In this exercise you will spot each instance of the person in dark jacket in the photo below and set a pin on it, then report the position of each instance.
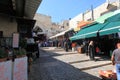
(66, 45)
(91, 50)
(86, 47)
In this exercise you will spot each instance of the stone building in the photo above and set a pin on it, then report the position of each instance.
(55, 28)
(16, 16)
(93, 14)
(49, 28)
(64, 25)
(44, 23)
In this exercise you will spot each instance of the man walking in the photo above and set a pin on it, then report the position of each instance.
(116, 60)
(66, 45)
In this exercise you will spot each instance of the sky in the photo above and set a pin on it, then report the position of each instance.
(60, 10)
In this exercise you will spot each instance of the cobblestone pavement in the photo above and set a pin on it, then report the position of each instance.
(56, 64)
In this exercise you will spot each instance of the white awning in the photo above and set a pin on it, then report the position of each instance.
(60, 34)
(38, 33)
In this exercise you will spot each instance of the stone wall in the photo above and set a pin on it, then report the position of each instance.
(8, 25)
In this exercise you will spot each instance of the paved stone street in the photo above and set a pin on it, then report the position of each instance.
(56, 64)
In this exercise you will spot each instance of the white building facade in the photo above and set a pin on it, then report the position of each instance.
(93, 14)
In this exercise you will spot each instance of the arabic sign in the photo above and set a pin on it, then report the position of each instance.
(15, 40)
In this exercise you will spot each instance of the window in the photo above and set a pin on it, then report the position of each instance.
(67, 24)
(1, 33)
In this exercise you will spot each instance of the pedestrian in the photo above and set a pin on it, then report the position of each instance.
(86, 47)
(37, 48)
(39, 45)
(116, 60)
(91, 50)
(66, 45)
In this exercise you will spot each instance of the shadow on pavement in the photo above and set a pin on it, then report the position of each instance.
(97, 58)
(52, 53)
(49, 68)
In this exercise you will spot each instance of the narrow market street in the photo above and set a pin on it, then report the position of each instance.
(51, 40)
(56, 64)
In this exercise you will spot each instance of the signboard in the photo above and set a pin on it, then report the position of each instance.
(15, 40)
(20, 69)
(6, 70)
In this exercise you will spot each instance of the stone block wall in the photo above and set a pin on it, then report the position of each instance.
(8, 25)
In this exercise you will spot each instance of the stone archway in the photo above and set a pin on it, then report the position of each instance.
(41, 35)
